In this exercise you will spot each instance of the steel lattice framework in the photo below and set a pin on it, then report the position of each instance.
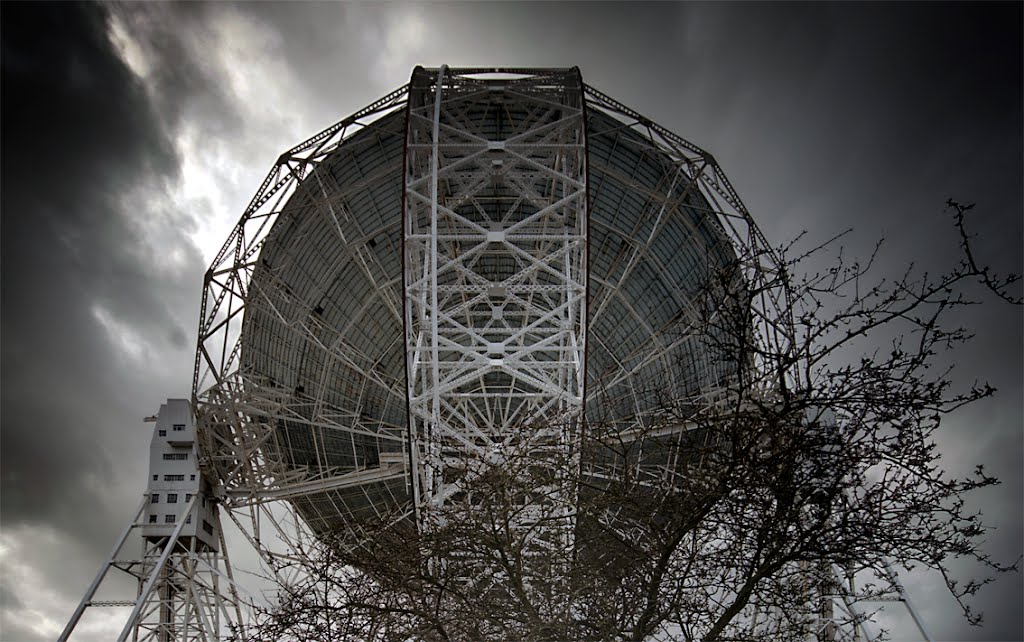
(468, 266)
(482, 261)
(495, 237)
(495, 215)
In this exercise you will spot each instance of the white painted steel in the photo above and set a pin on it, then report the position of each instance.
(495, 357)
(476, 262)
(182, 558)
(131, 626)
(104, 567)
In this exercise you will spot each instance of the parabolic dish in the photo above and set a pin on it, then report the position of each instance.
(326, 331)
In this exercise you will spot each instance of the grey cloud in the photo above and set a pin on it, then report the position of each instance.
(80, 135)
(9, 595)
(183, 85)
(81, 141)
(20, 632)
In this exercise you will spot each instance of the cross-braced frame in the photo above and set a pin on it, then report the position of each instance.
(473, 266)
(495, 225)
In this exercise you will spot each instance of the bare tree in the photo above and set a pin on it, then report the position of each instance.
(719, 516)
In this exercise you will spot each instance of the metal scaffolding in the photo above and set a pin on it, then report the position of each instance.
(495, 237)
(476, 263)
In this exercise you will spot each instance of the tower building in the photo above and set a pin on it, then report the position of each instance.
(175, 480)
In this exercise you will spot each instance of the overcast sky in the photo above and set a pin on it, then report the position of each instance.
(134, 135)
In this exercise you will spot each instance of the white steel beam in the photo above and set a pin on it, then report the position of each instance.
(245, 496)
(147, 588)
(495, 242)
(91, 591)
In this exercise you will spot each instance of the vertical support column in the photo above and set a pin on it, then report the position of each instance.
(435, 414)
(102, 573)
(494, 251)
(179, 595)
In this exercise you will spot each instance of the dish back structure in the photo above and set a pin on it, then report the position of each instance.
(475, 263)
(482, 262)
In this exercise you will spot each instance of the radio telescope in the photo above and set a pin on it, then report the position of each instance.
(548, 248)
(483, 260)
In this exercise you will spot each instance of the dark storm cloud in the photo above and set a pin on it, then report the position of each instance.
(870, 117)
(100, 280)
(80, 138)
(182, 85)
(914, 96)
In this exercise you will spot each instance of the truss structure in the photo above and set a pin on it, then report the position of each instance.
(241, 408)
(495, 237)
(477, 263)
(185, 591)
(238, 410)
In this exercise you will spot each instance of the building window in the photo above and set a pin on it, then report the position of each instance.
(179, 427)
(156, 477)
(154, 498)
(174, 477)
(152, 519)
(175, 456)
(191, 477)
(162, 432)
(169, 519)
(188, 520)
(188, 497)
(172, 498)
(207, 527)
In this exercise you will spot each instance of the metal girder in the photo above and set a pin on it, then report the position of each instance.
(243, 497)
(186, 590)
(495, 250)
